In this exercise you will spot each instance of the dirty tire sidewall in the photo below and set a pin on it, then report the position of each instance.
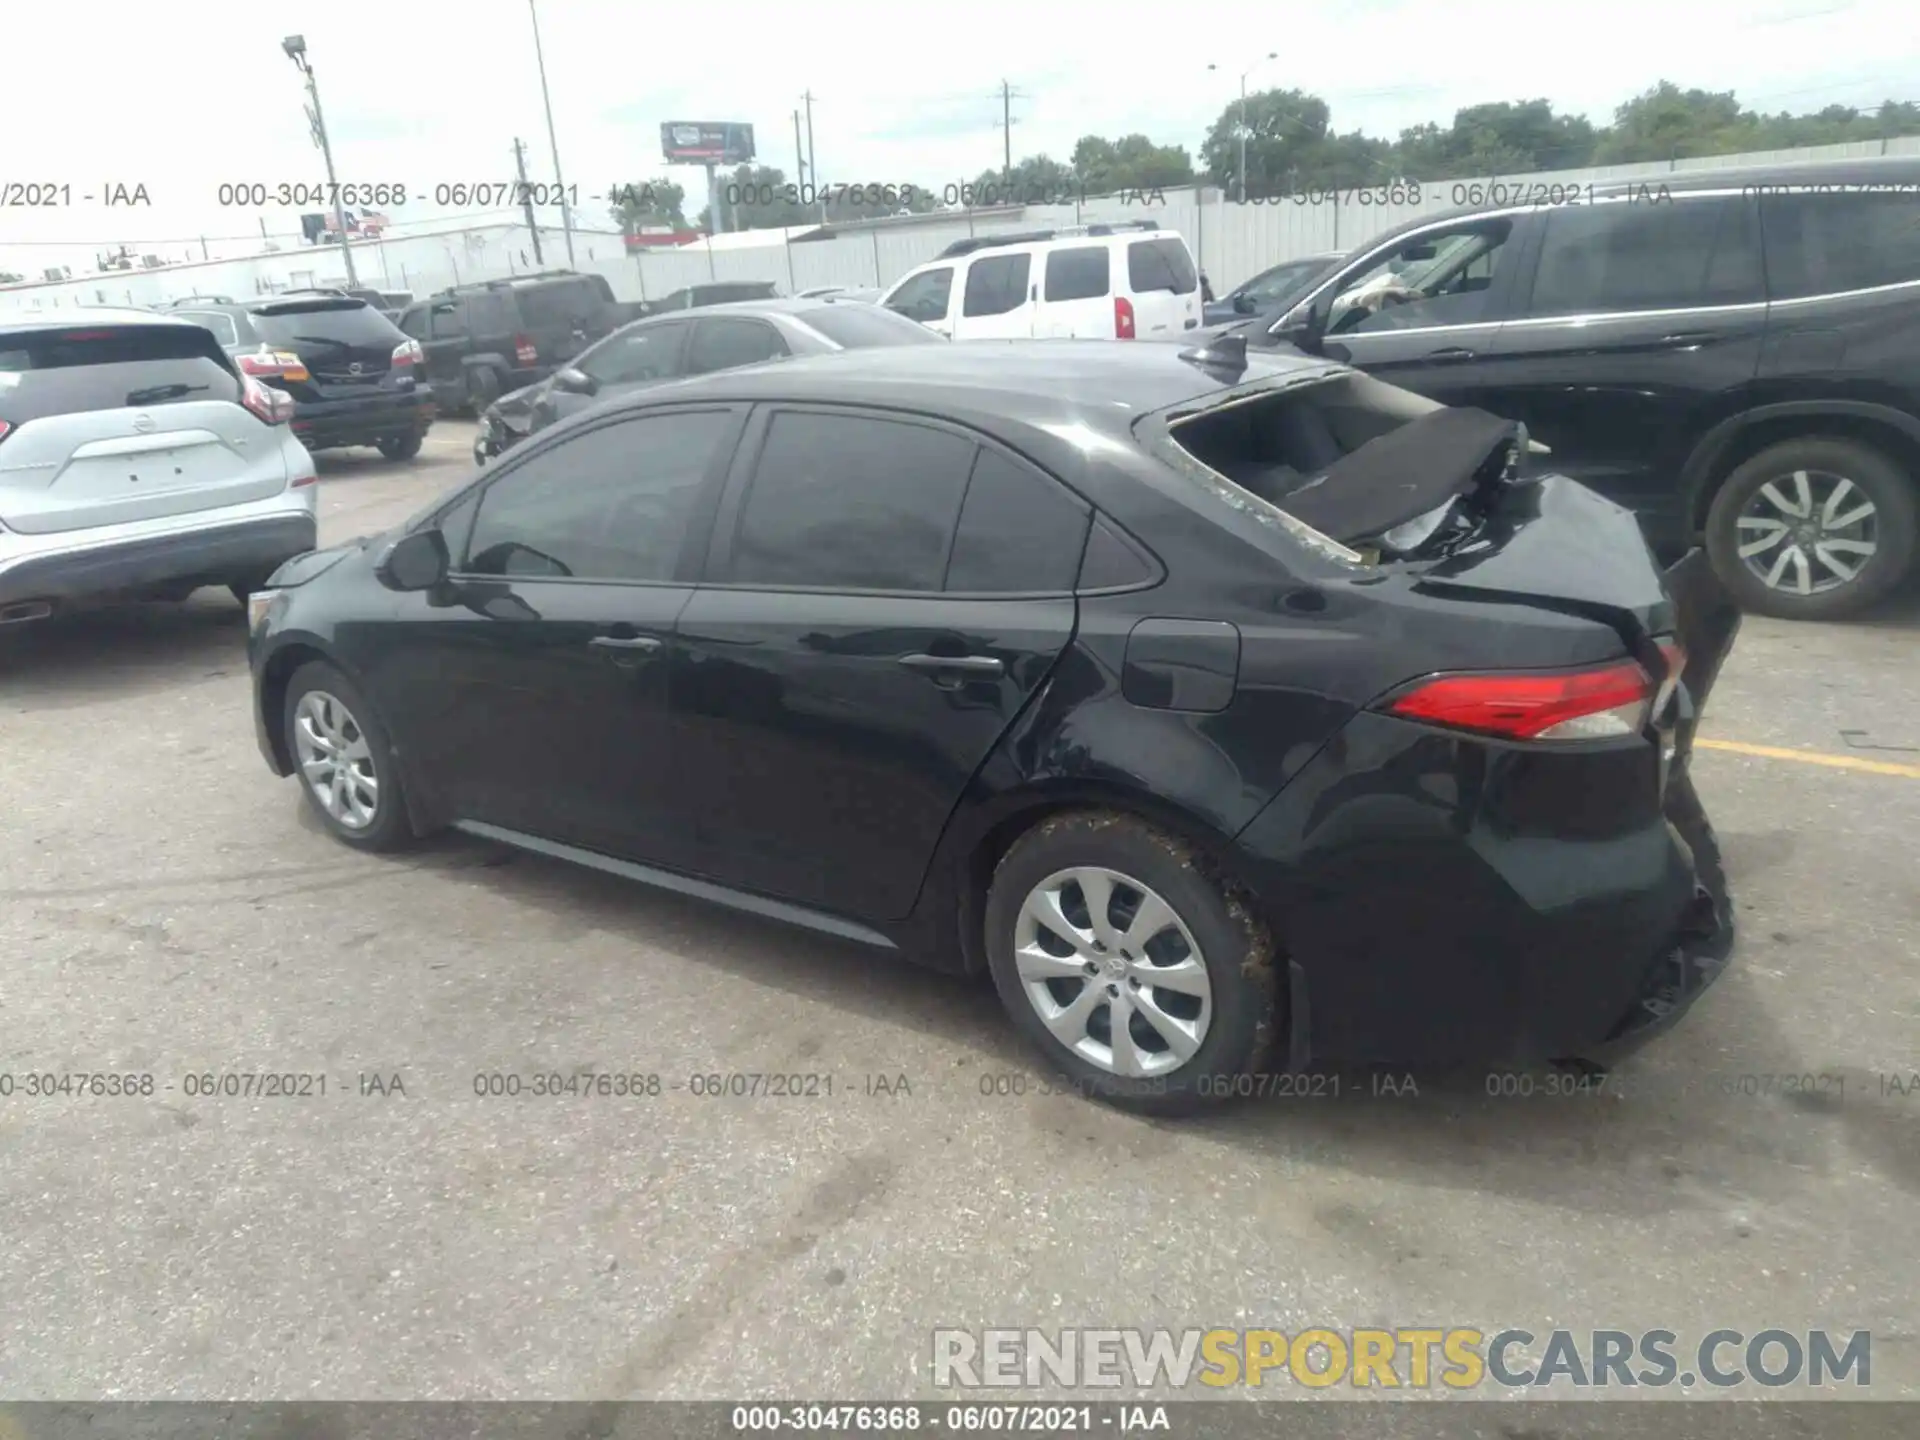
(402, 447)
(483, 388)
(1235, 943)
(390, 829)
(1886, 484)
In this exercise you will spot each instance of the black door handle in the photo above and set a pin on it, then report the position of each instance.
(645, 644)
(969, 664)
(1454, 352)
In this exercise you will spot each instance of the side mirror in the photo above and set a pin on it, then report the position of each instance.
(575, 382)
(1302, 327)
(1243, 304)
(414, 562)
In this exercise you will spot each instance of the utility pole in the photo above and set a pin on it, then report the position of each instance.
(566, 211)
(813, 168)
(799, 152)
(1006, 128)
(526, 197)
(296, 50)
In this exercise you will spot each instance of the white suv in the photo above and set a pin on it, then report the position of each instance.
(135, 460)
(1094, 282)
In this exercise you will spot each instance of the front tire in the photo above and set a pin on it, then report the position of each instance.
(1133, 967)
(401, 447)
(344, 760)
(1813, 529)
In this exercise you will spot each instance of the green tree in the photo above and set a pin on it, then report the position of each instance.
(1506, 137)
(1290, 145)
(7, 277)
(1133, 162)
(1666, 122)
(647, 204)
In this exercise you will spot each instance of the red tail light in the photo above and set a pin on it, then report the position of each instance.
(409, 353)
(4, 429)
(274, 407)
(524, 351)
(1597, 704)
(1122, 318)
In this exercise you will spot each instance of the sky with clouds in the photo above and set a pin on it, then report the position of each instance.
(183, 98)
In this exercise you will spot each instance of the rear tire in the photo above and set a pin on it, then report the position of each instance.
(1213, 955)
(401, 447)
(483, 388)
(343, 760)
(1830, 479)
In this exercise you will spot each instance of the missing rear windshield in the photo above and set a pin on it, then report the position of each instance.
(1259, 449)
(1355, 468)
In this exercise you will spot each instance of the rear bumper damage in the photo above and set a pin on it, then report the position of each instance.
(1445, 899)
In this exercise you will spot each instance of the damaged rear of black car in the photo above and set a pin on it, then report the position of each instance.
(1540, 881)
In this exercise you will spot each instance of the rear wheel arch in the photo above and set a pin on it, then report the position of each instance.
(1734, 441)
(976, 860)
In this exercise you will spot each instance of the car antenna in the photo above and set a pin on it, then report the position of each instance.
(1224, 355)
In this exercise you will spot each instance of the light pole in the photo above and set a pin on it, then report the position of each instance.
(296, 48)
(566, 211)
(1271, 55)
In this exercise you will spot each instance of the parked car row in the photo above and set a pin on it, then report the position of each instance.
(669, 347)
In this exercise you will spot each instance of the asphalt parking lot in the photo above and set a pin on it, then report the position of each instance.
(170, 909)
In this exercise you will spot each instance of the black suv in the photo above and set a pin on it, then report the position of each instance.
(1734, 355)
(485, 339)
(354, 378)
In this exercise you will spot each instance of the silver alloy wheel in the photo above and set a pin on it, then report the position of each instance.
(1112, 971)
(1808, 532)
(336, 759)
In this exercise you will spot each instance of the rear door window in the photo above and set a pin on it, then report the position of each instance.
(850, 502)
(996, 284)
(1020, 532)
(1622, 256)
(636, 357)
(563, 304)
(1821, 244)
(1161, 264)
(1082, 273)
(63, 372)
(729, 343)
(448, 321)
(491, 314)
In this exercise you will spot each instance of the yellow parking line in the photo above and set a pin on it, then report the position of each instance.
(1812, 757)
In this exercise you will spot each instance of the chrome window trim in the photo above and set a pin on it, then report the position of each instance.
(1851, 294)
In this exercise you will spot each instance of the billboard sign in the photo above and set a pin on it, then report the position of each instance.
(706, 142)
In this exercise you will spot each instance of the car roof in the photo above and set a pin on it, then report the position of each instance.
(767, 305)
(1902, 170)
(1038, 383)
(90, 315)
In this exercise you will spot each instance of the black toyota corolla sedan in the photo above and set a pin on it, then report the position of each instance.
(1230, 713)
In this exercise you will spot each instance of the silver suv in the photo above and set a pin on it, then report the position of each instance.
(136, 461)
